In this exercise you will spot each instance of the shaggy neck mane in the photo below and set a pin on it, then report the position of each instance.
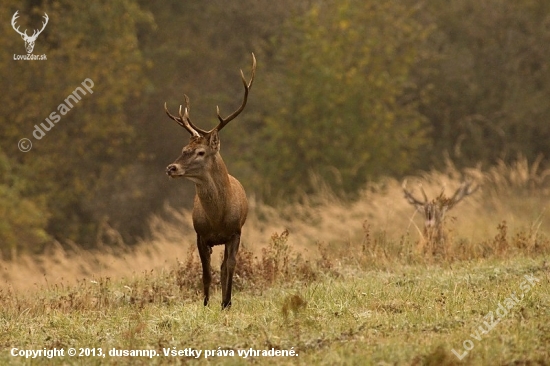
(213, 191)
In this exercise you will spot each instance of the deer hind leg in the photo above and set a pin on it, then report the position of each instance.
(205, 252)
(228, 268)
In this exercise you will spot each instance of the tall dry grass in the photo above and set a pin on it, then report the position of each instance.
(506, 216)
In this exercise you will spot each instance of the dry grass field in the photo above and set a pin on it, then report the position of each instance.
(320, 282)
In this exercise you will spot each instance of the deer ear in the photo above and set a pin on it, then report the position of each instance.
(214, 141)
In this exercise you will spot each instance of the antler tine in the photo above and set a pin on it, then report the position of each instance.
(441, 194)
(13, 21)
(463, 191)
(411, 199)
(170, 114)
(187, 109)
(424, 194)
(185, 120)
(44, 23)
(181, 120)
(224, 121)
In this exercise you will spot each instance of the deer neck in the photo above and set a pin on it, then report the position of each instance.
(214, 189)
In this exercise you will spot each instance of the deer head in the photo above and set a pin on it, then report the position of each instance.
(434, 210)
(29, 40)
(197, 156)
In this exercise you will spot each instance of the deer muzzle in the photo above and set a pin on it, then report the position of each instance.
(174, 170)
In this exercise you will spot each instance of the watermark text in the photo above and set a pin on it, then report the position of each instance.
(63, 108)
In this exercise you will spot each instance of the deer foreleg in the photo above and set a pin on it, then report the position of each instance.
(228, 268)
(204, 252)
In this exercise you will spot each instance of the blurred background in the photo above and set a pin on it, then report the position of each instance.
(348, 95)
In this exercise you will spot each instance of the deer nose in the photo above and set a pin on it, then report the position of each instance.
(170, 169)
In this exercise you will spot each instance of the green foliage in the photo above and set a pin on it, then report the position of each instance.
(83, 152)
(346, 91)
(490, 80)
(22, 220)
(347, 110)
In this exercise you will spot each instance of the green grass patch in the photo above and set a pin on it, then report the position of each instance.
(407, 315)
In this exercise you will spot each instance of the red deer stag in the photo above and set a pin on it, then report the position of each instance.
(220, 205)
(435, 210)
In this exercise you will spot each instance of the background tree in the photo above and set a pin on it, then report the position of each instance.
(346, 110)
(23, 220)
(490, 80)
(346, 91)
(71, 167)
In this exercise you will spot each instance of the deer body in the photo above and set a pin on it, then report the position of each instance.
(219, 210)
(220, 205)
(219, 214)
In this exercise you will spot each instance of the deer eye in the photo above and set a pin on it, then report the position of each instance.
(200, 153)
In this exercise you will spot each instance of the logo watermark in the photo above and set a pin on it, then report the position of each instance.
(501, 311)
(29, 40)
(25, 144)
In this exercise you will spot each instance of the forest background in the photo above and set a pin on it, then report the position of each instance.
(346, 92)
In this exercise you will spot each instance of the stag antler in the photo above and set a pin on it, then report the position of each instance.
(413, 200)
(226, 120)
(464, 190)
(184, 120)
(36, 33)
(13, 20)
(43, 26)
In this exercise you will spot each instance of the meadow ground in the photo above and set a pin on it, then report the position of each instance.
(322, 282)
